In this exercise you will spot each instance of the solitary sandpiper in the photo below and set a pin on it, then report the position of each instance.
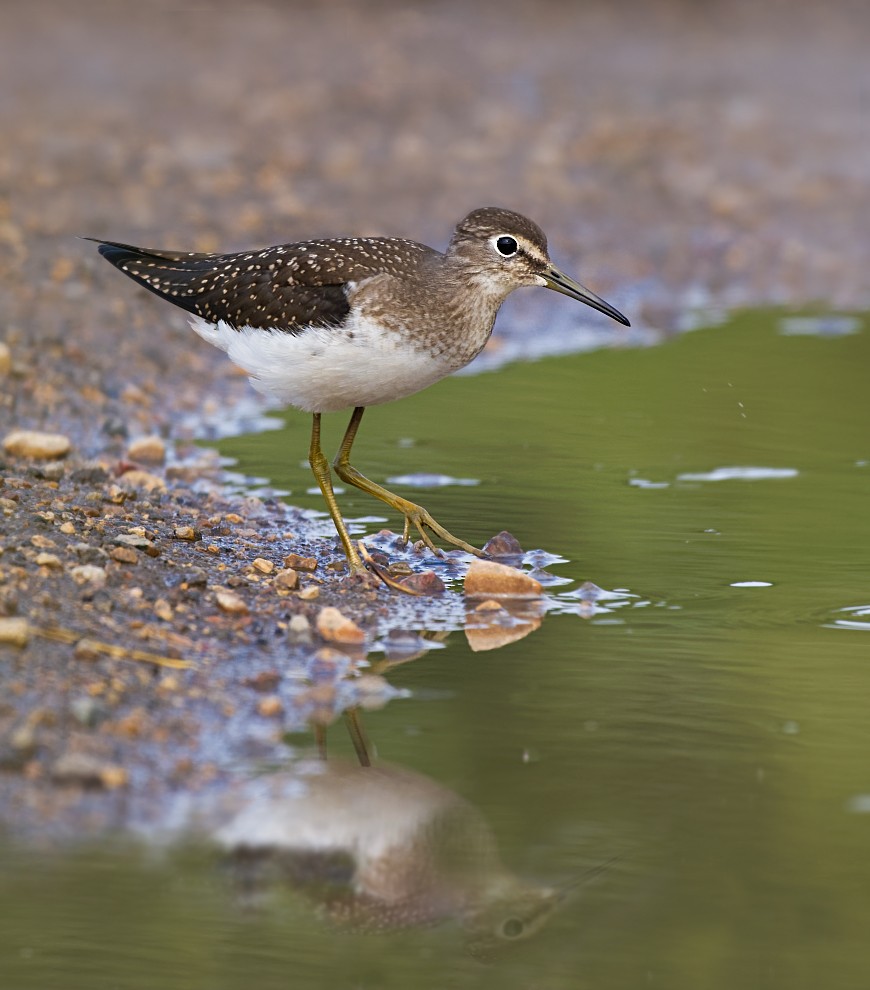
(350, 322)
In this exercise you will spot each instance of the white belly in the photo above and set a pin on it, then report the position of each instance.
(324, 369)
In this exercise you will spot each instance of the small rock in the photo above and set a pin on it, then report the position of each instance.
(5, 358)
(298, 563)
(503, 544)
(124, 555)
(142, 479)
(337, 628)
(486, 579)
(36, 445)
(399, 568)
(195, 577)
(186, 533)
(88, 574)
(310, 593)
(67, 528)
(88, 554)
(15, 631)
(288, 580)
(150, 450)
(299, 624)
(163, 610)
(134, 540)
(50, 471)
(262, 565)
(271, 706)
(92, 475)
(49, 560)
(230, 602)
(425, 583)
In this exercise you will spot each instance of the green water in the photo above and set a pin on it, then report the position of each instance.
(716, 738)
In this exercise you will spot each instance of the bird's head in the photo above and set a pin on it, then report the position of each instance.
(505, 250)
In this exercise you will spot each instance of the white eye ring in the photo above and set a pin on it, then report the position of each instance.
(506, 245)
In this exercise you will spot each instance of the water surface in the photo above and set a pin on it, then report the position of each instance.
(710, 729)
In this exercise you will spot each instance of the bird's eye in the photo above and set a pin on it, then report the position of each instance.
(512, 928)
(506, 246)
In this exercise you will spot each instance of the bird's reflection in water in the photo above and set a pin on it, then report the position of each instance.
(378, 848)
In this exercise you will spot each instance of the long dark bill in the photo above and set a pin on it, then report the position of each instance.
(560, 282)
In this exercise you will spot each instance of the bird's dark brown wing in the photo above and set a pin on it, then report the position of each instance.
(288, 287)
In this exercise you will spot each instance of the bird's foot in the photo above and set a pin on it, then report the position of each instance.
(423, 522)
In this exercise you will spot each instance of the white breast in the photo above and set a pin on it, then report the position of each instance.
(324, 369)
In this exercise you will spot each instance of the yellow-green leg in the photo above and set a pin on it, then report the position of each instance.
(415, 515)
(320, 467)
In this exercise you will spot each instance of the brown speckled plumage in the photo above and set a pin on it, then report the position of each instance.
(287, 287)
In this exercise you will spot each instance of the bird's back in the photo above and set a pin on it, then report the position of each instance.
(288, 287)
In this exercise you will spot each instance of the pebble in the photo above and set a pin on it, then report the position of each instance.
(338, 628)
(33, 444)
(124, 555)
(186, 533)
(49, 560)
(299, 563)
(5, 358)
(486, 579)
(228, 601)
(503, 544)
(310, 593)
(425, 583)
(142, 479)
(150, 450)
(299, 624)
(88, 574)
(15, 631)
(133, 540)
(163, 610)
(288, 580)
(271, 706)
(263, 566)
